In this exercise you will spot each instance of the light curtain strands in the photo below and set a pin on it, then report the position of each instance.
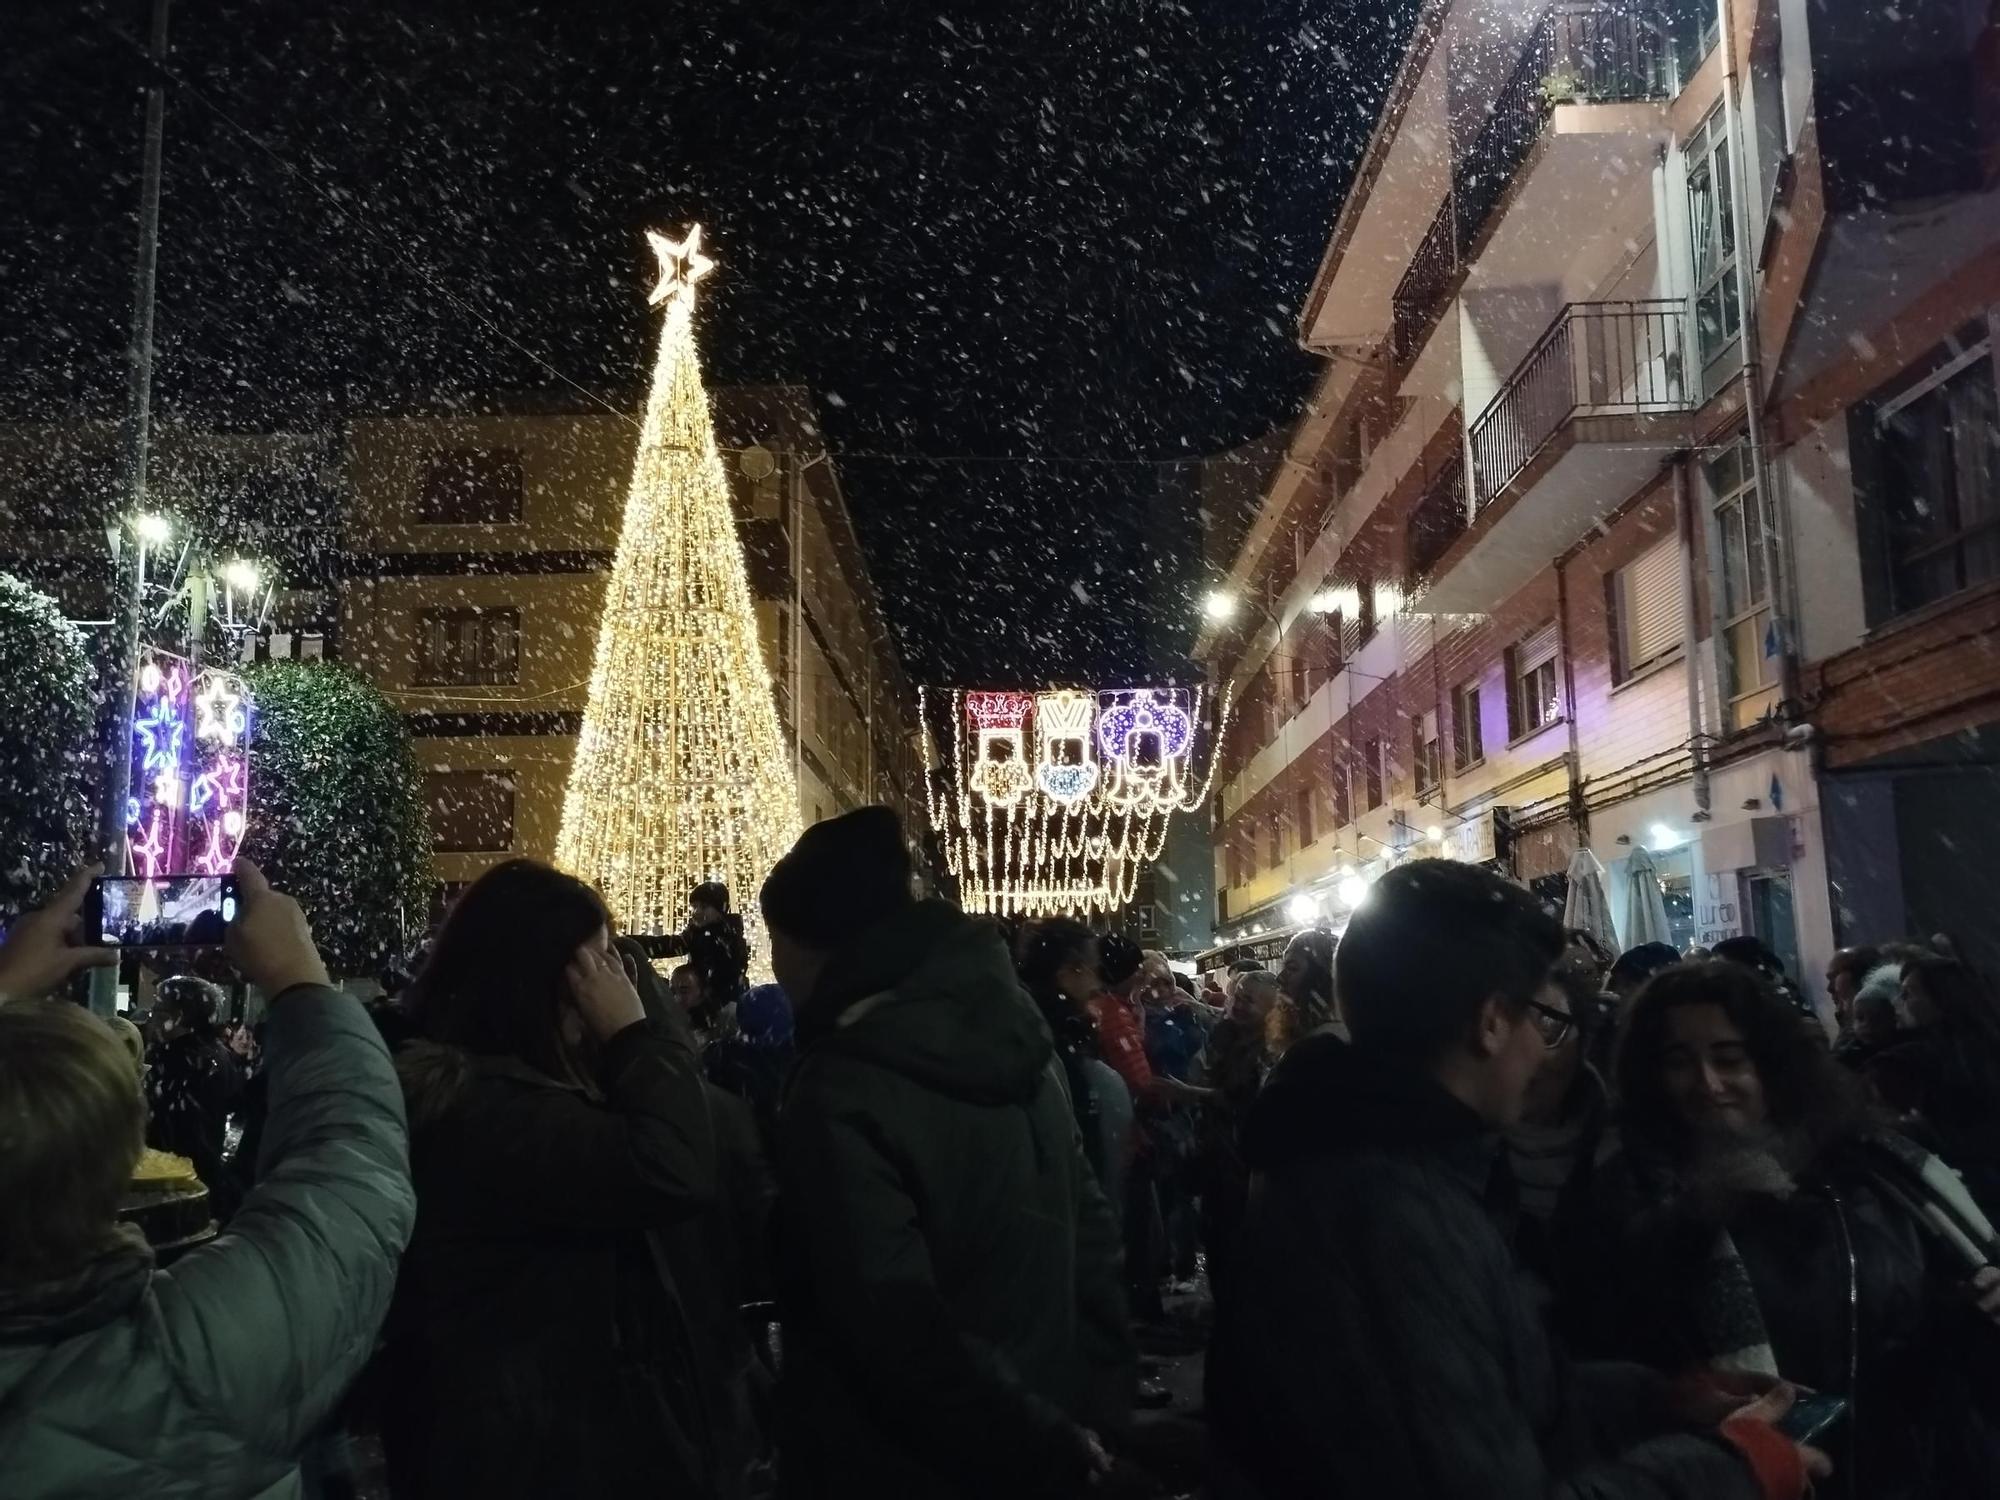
(680, 773)
(1074, 833)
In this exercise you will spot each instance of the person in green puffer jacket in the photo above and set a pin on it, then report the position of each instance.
(206, 1380)
(949, 1276)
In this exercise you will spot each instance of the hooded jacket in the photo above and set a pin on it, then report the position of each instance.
(207, 1379)
(949, 1269)
(537, 1345)
(1377, 1340)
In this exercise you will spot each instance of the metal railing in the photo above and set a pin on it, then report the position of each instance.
(1437, 520)
(1426, 285)
(1579, 53)
(1597, 359)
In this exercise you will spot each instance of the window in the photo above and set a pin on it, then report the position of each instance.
(1468, 745)
(1302, 686)
(1742, 531)
(470, 811)
(1340, 789)
(1533, 702)
(463, 647)
(1274, 842)
(470, 487)
(1371, 775)
(1712, 230)
(1304, 801)
(1365, 611)
(1424, 756)
(1940, 463)
(1648, 607)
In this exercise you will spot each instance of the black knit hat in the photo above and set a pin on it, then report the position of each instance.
(841, 877)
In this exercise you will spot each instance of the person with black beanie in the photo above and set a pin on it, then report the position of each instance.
(948, 1268)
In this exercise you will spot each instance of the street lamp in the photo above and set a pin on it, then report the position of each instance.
(152, 528)
(241, 574)
(1353, 891)
(1217, 605)
(1302, 909)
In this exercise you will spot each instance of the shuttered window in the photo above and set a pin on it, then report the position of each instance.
(1532, 701)
(1651, 600)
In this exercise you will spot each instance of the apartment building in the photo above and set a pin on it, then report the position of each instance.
(1650, 494)
(477, 551)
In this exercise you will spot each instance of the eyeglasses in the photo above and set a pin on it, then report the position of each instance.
(1554, 1025)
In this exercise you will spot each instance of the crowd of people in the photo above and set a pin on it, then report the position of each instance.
(1483, 1208)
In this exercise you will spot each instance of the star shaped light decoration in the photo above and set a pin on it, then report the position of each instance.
(681, 264)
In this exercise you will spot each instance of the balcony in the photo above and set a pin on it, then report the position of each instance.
(1436, 521)
(1583, 67)
(1579, 426)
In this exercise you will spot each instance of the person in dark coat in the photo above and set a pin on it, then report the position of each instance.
(537, 1345)
(1376, 1339)
(1762, 1219)
(949, 1275)
(1943, 1073)
(192, 1082)
(721, 1264)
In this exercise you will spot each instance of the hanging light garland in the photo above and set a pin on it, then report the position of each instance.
(1070, 832)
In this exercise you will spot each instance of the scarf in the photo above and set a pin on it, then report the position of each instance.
(1727, 1318)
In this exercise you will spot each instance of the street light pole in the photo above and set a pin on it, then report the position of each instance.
(129, 551)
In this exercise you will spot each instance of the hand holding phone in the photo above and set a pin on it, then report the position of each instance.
(1812, 1416)
(46, 946)
(269, 940)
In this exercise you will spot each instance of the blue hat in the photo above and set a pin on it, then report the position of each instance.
(764, 1016)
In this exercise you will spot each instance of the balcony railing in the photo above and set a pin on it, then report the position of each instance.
(1598, 359)
(1580, 53)
(1436, 521)
(1426, 285)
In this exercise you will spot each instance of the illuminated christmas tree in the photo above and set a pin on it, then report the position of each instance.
(680, 773)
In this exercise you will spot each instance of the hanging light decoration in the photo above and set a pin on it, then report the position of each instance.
(1071, 832)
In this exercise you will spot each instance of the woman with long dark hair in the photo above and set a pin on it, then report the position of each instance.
(537, 1346)
(1762, 1220)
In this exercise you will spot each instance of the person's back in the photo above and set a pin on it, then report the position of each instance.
(1376, 1340)
(949, 1276)
(537, 1345)
(118, 1379)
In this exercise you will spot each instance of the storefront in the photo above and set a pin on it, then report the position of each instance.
(1756, 865)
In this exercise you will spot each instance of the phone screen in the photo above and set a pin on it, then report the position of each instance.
(171, 911)
(1811, 1415)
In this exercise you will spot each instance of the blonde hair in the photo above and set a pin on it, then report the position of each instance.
(72, 1123)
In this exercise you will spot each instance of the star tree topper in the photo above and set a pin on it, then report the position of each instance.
(681, 264)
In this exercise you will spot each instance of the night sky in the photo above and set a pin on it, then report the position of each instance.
(1021, 253)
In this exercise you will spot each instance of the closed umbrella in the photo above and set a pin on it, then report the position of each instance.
(1588, 908)
(1645, 902)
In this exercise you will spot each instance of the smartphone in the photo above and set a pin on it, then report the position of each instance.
(163, 911)
(1811, 1416)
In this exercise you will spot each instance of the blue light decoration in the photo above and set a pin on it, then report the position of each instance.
(1072, 829)
(190, 801)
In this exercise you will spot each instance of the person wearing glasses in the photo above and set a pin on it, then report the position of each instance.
(1543, 1181)
(1761, 1215)
(1376, 1339)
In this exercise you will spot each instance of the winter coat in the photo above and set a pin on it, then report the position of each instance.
(1376, 1341)
(949, 1268)
(192, 1082)
(205, 1380)
(1778, 1293)
(537, 1346)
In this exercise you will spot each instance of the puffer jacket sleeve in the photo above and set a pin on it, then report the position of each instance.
(266, 1328)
